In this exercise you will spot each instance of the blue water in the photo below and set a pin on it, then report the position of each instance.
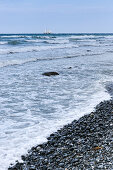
(32, 106)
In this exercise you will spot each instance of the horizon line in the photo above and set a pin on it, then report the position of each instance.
(62, 33)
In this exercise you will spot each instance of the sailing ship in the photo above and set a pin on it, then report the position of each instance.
(47, 32)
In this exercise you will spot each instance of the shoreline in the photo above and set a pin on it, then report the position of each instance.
(83, 144)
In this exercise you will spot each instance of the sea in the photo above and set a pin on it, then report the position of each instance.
(32, 106)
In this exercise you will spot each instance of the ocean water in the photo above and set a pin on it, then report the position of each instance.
(32, 106)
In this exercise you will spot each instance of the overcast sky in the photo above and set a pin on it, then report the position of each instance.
(72, 16)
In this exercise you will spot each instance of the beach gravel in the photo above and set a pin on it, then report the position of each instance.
(81, 145)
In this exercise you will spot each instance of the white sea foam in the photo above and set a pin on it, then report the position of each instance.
(35, 48)
(36, 40)
(109, 37)
(11, 36)
(82, 36)
(2, 42)
(51, 41)
(12, 62)
(20, 141)
(16, 62)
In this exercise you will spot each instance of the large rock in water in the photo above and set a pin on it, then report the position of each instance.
(50, 74)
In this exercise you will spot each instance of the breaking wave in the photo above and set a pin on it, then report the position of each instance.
(24, 61)
(35, 48)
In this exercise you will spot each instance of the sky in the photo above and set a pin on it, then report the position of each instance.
(60, 16)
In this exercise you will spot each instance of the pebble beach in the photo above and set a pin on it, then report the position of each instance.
(83, 144)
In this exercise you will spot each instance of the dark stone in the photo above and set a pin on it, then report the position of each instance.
(11, 52)
(23, 157)
(44, 167)
(50, 74)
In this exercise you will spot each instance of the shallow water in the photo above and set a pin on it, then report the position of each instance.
(32, 105)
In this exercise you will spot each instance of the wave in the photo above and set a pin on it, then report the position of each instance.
(109, 51)
(90, 45)
(20, 62)
(41, 37)
(12, 36)
(48, 41)
(28, 36)
(3, 42)
(82, 36)
(89, 38)
(33, 41)
(14, 42)
(24, 41)
(40, 41)
(82, 40)
(56, 41)
(109, 37)
(16, 62)
(35, 48)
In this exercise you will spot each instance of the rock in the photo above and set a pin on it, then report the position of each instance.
(44, 167)
(61, 165)
(11, 52)
(88, 50)
(23, 157)
(50, 74)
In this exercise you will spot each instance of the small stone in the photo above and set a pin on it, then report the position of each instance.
(61, 164)
(23, 157)
(97, 148)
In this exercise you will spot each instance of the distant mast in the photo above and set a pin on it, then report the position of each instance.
(47, 31)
